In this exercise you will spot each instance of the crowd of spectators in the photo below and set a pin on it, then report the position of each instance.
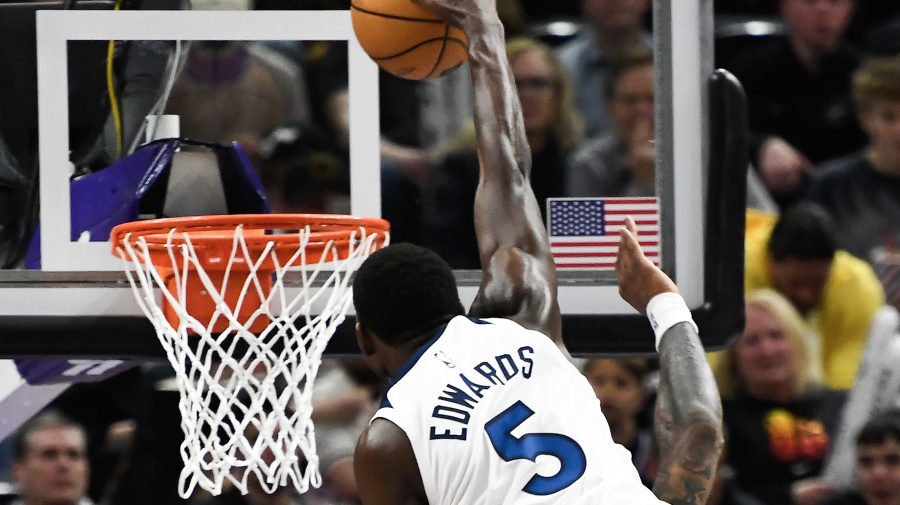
(824, 116)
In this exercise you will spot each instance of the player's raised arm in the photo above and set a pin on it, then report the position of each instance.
(519, 276)
(688, 420)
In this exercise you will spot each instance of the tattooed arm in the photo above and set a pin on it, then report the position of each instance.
(688, 420)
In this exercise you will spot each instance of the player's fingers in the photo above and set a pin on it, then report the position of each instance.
(629, 237)
(629, 250)
(630, 224)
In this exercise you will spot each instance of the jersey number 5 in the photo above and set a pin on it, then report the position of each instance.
(571, 457)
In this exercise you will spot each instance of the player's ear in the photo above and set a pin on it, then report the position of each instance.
(365, 339)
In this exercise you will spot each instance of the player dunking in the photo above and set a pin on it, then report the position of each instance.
(487, 409)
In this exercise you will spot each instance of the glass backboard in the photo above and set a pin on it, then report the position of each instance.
(78, 303)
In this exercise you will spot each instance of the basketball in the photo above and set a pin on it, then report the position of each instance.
(407, 39)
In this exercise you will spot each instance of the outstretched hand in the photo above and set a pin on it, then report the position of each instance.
(639, 279)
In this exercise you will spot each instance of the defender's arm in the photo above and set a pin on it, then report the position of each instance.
(688, 421)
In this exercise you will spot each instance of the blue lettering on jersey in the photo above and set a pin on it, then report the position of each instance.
(451, 414)
(476, 389)
(447, 434)
(526, 371)
(507, 366)
(457, 403)
(572, 460)
(489, 373)
(457, 396)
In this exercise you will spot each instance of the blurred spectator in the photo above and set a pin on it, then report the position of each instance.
(876, 26)
(404, 131)
(613, 28)
(105, 410)
(798, 89)
(777, 413)
(345, 397)
(304, 171)
(620, 162)
(50, 462)
(620, 385)
(512, 15)
(151, 472)
(553, 130)
(236, 91)
(877, 463)
(836, 293)
(862, 190)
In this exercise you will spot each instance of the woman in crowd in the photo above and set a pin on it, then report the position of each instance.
(779, 417)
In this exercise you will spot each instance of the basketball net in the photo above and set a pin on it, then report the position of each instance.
(246, 396)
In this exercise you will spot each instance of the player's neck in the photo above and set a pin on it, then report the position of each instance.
(399, 356)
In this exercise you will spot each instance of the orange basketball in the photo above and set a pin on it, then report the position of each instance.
(407, 39)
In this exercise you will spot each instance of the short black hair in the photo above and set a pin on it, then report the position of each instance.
(880, 428)
(404, 290)
(806, 231)
(39, 422)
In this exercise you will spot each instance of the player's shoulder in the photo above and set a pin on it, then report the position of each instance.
(385, 465)
(381, 443)
(382, 436)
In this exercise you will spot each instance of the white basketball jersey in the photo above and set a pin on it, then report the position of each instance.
(497, 415)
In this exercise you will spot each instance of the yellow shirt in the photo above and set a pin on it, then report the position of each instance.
(842, 318)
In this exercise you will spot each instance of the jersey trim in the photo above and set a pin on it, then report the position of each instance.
(385, 403)
(409, 364)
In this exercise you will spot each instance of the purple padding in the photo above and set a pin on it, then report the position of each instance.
(109, 197)
(56, 371)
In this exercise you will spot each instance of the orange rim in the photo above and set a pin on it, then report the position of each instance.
(212, 236)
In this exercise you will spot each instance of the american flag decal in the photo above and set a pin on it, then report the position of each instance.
(584, 232)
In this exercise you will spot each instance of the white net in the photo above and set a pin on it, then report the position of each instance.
(246, 397)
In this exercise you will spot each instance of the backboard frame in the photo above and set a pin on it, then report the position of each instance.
(81, 304)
